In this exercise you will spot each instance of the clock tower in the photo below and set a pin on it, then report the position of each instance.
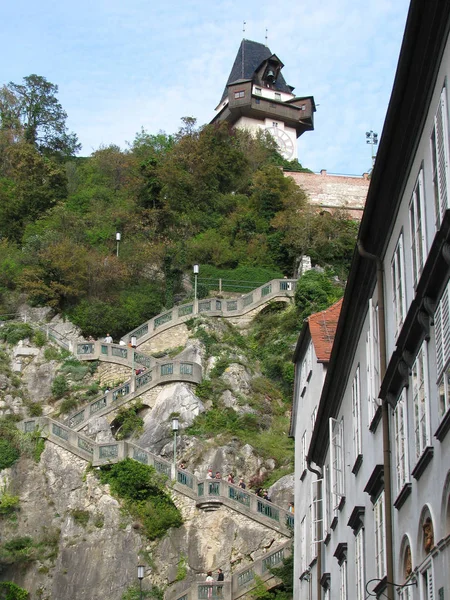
(256, 97)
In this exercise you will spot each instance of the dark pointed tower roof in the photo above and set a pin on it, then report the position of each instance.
(249, 58)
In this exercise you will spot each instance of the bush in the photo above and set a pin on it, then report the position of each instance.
(12, 333)
(39, 338)
(59, 386)
(35, 410)
(11, 591)
(68, 405)
(8, 454)
(316, 291)
(81, 517)
(145, 497)
(8, 504)
(128, 421)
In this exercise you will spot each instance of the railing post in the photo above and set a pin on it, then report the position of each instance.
(220, 286)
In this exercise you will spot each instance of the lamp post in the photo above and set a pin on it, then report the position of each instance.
(118, 235)
(195, 287)
(133, 347)
(175, 427)
(372, 139)
(140, 570)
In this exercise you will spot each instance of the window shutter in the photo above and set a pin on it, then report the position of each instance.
(442, 152)
(430, 586)
(317, 503)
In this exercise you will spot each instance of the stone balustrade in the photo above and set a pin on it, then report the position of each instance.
(214, 307)
(203, 491)
(241, 582)
(158, 372)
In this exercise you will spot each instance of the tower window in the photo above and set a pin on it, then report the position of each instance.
(258, 91)
(277, 96)
(240, 94)
(274, 124)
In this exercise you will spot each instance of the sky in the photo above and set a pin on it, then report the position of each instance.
(123, 65)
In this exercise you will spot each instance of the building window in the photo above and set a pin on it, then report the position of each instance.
(337, 461)
(303, 545)
(372, 361)
(439, 158)
(398, 285)
(442, 332)
(420, 401)
(428, 585)
(313, 418)
(356, 410)
(303, 452)
(278, 96)
(380, 542)
(274, 124)
(306, 368)
(239, 94)
(258, 91)
(317, 515)
(401, 442)
(417, 225)
(343, 581)
(359, 566)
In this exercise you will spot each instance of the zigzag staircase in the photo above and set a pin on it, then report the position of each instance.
(208, 494)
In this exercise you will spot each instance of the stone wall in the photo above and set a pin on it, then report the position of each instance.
(170, 338)
(334, 191)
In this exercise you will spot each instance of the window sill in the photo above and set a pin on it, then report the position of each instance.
(423, 463)
(444, 427)
(357, 465)
(404, 493)
(375, 420)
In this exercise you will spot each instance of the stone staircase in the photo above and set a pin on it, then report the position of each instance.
(241, 582)
(274, 290)
(156, 372)
(207, 493)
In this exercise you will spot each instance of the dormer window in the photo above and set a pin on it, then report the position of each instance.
(239, 94)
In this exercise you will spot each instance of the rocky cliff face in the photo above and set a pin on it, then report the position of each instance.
(84, 545)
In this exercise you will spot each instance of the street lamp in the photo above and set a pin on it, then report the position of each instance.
(372, 139)
(195, 286)
(117, 241)
(140, 577)
(175, 427)
(133, 347)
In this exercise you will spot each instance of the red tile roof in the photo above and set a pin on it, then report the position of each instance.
(322, 326)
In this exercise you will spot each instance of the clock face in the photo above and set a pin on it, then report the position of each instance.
(284, 142)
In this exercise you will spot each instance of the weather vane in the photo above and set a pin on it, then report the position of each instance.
(244, 23)
(266, 35)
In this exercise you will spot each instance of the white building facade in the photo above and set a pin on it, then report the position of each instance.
(379, 454)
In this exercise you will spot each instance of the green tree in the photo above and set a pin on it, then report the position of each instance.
(30, 186)
(316, 291)
(32, 109)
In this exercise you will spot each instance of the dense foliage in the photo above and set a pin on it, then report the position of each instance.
(207, 195)
(144, 495)
(11, 591)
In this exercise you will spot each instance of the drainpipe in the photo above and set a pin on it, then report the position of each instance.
(385, 421)
(319, 544)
